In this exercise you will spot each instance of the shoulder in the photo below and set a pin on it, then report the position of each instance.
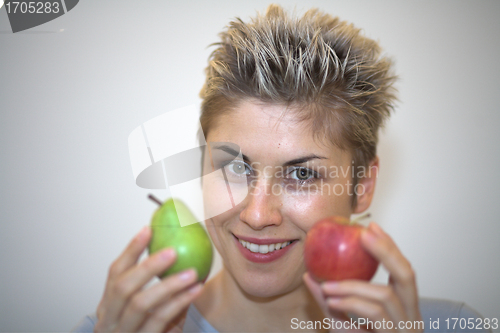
(439, 316)
(195, 323)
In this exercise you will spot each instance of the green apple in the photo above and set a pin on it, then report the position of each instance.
(191, 242)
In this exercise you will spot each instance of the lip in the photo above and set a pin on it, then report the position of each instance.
(261, 257)
(263, 241)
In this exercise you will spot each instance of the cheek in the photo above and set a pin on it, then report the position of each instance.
(217, 228)
(214, 228)
(216, 198)
(219, 214)
(221, 193)
(305, 211)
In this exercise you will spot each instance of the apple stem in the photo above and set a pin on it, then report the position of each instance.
(362, 217)
(153, 198)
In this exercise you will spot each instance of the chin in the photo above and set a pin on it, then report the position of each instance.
(265, 286)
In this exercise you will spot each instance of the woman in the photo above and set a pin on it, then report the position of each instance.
(300, 98)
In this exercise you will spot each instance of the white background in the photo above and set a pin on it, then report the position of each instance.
(69, 99)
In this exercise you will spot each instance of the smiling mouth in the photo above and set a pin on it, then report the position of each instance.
(263, 248)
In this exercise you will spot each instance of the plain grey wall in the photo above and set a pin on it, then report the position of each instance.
(73, 89)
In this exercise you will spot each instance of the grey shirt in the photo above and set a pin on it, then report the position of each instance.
(438, 316)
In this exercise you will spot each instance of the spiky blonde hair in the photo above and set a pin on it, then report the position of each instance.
(321, 67)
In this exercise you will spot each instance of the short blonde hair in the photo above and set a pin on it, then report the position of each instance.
(321, 67)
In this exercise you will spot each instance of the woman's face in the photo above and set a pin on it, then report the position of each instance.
(289, 182)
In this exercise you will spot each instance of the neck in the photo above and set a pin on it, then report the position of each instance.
(229, 308)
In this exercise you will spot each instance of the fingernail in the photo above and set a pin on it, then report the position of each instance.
(329, 286)
(187, 275)
(194, 289)
(143, 233)
(167, 254)
(376, 229)
(333, 300)
(369, 235)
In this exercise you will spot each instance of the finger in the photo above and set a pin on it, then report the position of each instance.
(131, 254)
(134, 279)
(383, 248)
(166, 313)
(315, 289)
(142, 303)
(383, 295)
(107, 312)
(363, 308)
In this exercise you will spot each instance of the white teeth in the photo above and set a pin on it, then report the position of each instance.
(263, 248)
(253, 247)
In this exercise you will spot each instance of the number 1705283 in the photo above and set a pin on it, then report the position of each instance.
(32, 7)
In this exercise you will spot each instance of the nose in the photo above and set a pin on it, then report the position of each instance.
(263, 206)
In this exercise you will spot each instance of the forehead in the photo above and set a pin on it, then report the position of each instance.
(268, 130)
(259, 118)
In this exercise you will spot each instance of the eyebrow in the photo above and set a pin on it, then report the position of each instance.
(304, 159)
(295, 161)
(231, 151)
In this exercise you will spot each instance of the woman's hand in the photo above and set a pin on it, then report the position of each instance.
(396, 302)
(127, 306)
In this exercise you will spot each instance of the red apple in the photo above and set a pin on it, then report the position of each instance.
(333, 251)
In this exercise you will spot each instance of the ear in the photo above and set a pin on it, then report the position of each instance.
(366, 187)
